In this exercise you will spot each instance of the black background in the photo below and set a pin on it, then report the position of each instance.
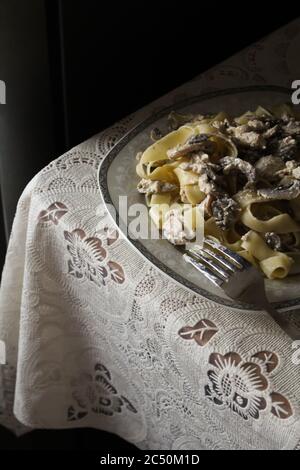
(119, 56)
(107, 59)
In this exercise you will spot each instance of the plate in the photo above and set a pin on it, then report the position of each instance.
(117, 177)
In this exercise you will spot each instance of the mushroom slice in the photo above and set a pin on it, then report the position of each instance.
(281, 242)
(154, 187)
(287, 148)
(292, 127)
(290, 170)
(225, 211)
(208, 177)
(215, 145)
(201, 164)
(237, 164)
(207, 185)
(268, 166)
(273, 240)
(196, 143)
(281, 192)
(246, 136)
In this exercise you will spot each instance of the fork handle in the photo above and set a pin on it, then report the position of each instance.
(282, 322)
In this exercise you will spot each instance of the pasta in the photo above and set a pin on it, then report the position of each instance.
(242, 174)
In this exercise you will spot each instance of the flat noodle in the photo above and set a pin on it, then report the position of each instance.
(158, 150)
(281, 223)
(244, 118)
(161, 199)
(277, 266)
(186, 177)
(256, 246)
(219, 117)
(247, 197)
(164, 173)
(193, 194)
(205, 128)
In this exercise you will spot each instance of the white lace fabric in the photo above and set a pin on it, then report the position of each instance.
(97, 337)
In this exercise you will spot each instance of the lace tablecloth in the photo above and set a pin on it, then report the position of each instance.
(97, 337)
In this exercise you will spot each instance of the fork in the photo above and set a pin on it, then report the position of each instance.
(238, 278)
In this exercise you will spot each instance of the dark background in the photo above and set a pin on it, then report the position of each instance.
(73, 68)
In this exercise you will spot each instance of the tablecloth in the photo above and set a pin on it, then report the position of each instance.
(96, 336)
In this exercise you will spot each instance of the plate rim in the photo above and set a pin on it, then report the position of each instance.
(136, 244)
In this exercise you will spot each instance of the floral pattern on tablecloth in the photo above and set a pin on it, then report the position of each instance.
(94, 393)
(88, 258)
(243, 386)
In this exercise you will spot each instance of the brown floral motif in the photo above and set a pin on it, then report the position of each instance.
(280, 406)
(94, 392)
(243, 385)
(53, 213)
(116, 272)
(202, 332)
(267, 359)
(88, 259)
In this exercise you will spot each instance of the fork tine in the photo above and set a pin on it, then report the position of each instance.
(220, 259)
(238, 260)
(204, 270)
(200, 255)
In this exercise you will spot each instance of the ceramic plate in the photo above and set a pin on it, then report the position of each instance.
(117, 177)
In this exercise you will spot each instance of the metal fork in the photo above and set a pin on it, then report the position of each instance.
(238, 278)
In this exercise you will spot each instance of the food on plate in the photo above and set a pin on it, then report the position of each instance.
(242, 173)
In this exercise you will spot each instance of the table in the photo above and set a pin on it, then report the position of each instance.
(95, 336)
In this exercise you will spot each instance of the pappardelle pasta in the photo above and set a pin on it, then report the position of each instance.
(242, 172)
